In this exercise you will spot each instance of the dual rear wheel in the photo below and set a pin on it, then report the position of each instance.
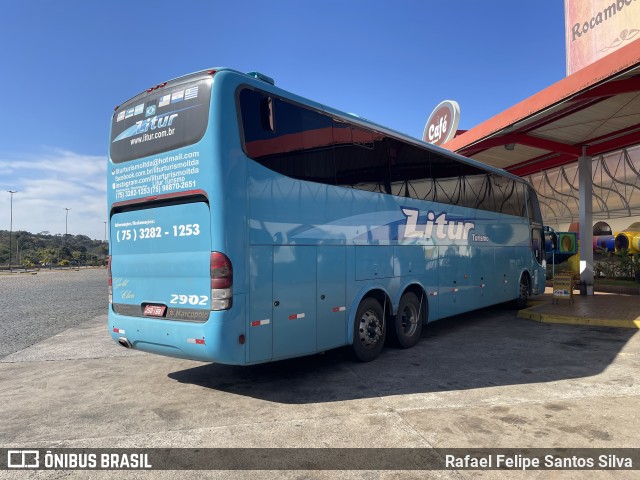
(409, 320)
(370, 327)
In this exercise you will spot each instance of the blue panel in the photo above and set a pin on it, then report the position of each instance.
(161, 255)
(411, 260)
(374, 262)
(294, 297)
(260, 322)
(455, 265)
(506, 273)
(220, 335)
(332, 307)
(482, 270)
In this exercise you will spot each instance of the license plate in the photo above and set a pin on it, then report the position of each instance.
(154, 310)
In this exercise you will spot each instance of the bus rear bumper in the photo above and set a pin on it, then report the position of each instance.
(220, 339)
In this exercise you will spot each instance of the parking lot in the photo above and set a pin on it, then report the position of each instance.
(484, 379)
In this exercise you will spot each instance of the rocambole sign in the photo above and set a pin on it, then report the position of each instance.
(443, 123)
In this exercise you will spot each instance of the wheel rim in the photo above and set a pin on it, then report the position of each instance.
(370, 330)
(409, 322)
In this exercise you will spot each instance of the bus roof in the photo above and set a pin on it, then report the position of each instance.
(268, 84)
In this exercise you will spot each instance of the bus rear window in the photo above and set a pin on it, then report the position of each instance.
(165, 119)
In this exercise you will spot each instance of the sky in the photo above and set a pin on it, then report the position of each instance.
(65, 65)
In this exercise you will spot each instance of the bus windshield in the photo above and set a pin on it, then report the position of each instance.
(175, 117)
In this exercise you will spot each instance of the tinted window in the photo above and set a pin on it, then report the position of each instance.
(165, 119)
(509, 196)
(287, 138)
(361, 158)
(534, 207)
(306, 144)
(537, 244)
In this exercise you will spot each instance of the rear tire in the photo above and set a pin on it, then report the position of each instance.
(407, 327)
(523, 292)
(369, 330)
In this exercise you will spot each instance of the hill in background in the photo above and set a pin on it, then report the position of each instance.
(43, 249)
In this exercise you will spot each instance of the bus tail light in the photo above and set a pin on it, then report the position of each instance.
(221, 281)
(109, 280)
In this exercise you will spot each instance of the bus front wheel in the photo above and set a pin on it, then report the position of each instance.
(408, 322)
(370, 330)
(523, 292)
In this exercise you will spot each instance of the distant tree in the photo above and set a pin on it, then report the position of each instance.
(44, 248)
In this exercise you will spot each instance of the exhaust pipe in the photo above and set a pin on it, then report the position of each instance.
(124, 342)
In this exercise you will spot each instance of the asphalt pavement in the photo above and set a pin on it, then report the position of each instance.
(37, 305)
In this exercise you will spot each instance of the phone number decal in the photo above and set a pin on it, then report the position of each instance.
(145, 233)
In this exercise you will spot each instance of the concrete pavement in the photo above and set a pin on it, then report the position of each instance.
(486, 379)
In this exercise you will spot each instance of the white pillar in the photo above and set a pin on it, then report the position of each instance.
(586, 223)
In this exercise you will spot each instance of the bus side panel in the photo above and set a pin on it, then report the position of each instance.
(482, 268)
(260, 329)
(332, 306)
(454, 294)
(506, 272)
(419, 262)
(374, 262)
(294, 300)
(227, 189)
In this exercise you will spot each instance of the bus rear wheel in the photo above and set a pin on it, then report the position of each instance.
(370, 330)
(408, 322)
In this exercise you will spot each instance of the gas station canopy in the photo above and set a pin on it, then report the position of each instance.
(592, 112)
(559, 132)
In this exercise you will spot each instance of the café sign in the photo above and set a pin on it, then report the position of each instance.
(443, 123)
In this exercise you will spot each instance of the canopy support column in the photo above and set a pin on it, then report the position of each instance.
(585, 166)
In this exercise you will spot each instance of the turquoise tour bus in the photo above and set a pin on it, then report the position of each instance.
(248, 224)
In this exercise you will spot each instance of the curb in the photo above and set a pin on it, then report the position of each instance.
(530, 314)
(601, 288)
(617, 289)
(21, 272)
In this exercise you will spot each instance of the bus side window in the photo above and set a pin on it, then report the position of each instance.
(361, 158)
(297, 144)
(534, 207)
(537, 242)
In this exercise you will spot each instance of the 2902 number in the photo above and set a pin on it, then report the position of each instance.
(188, 299)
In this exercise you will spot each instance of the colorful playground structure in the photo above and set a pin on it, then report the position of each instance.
(561, 245)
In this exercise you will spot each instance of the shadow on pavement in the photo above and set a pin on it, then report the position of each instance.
(486, 348)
